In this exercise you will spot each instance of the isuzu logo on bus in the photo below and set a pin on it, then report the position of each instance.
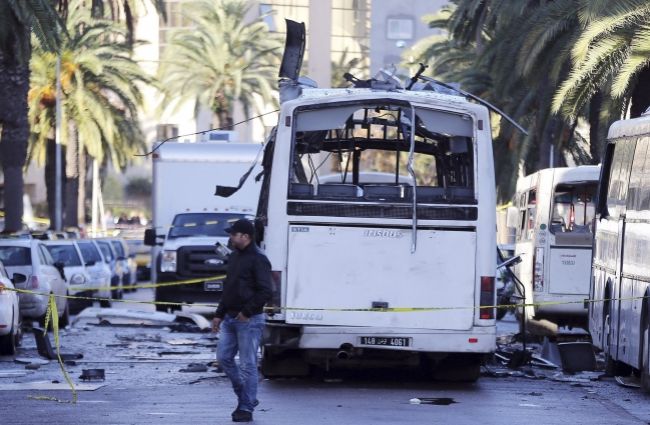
(383, 233)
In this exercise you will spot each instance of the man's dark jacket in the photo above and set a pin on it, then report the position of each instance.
(248, 283)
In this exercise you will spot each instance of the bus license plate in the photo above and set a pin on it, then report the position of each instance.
(215, 285)
(386, 340)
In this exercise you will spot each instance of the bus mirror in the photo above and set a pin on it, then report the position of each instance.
(511, 217)
(510, 262)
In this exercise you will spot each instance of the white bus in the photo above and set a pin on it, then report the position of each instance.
(389, 263)
(553, 213)
(619, 315)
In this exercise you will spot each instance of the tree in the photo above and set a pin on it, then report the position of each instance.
(100, 100)
(516, 53)
(18, 19)
(220, 59)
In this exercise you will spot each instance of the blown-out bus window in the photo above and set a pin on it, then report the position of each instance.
(360, 153)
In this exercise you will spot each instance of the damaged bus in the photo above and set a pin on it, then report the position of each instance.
(377, 214)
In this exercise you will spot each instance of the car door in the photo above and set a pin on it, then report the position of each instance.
(58, 284)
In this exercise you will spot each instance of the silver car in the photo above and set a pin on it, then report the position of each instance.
(100, 272)
(44, 277)
(80, 283)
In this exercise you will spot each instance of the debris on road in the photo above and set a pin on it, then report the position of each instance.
(92, 374)
(195, 367)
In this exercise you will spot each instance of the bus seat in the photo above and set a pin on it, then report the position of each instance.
(301, 190)
(380, 192)
(337, 190)
(427, 193)
(457, 192)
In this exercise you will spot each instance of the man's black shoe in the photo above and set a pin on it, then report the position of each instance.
(242, 416)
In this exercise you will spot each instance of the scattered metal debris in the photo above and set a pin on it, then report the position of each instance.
(92, 374)
(139, 338)
(440, 401)
(28, 360)
(577, 356)
(182, 341)
(47, 385)
(44, 347)
(13, 373)
(195, 367)
(628, 381)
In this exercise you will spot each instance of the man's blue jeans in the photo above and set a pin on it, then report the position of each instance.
(244, 337)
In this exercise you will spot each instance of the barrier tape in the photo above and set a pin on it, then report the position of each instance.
(53, 316)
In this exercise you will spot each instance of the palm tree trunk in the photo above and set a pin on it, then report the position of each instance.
(81, 195)
(71, 218)
(595, 105)
(14, 85)
(641, 94)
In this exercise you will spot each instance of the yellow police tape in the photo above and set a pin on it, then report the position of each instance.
(53, 316)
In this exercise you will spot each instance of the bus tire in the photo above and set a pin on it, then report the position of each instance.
(288, 364)
(458, 368)
(644, 347)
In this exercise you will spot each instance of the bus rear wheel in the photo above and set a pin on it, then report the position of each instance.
(644, 355)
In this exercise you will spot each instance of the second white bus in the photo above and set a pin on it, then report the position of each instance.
(553, 213)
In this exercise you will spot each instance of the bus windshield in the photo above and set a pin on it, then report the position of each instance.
(360, 152)
(573, 207)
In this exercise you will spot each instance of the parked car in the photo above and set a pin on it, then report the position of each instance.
(29, 257)
(141, 255)
(128, 264)
(79, 281)
(98, 269)
(110, 258)
(10, 318)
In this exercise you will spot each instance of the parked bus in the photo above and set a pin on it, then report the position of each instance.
(619, 315)
(553, 213)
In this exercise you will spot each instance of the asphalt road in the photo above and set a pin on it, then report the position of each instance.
(144, 385)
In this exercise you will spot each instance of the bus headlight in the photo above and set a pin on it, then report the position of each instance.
(538, 270)
(168, 262)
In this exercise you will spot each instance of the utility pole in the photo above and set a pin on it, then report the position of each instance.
(58, 204)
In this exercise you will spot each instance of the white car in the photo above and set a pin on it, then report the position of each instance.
(99, 271)
(79, 280)
(10, 319)
(29, 257)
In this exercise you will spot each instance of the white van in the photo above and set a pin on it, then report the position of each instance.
(553, 215)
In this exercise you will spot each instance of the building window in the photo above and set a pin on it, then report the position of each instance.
(166, 131)
(399, 29)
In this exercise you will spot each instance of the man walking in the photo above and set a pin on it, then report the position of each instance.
(240, 316)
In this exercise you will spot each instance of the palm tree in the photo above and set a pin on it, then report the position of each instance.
(613, 52)
(18, 19)
(221, 59)
(100, 99)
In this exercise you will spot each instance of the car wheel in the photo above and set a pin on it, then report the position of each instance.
(64, 320)
(8, 342)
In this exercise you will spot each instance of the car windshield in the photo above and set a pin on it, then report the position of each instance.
(89, 252)
(119, 249)
(204, 224)
(106, 250)
(15, 256)
(66, 254)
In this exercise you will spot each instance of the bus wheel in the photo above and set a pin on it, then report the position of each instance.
(644, 356)
(458, 368)
(289, 363)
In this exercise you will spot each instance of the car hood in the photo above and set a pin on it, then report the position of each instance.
(174, 244)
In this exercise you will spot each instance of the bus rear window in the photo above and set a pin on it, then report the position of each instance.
(573, 207)
(360, 153)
